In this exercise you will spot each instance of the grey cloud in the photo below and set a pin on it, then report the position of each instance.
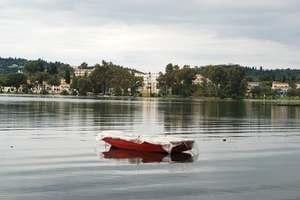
(152, 32)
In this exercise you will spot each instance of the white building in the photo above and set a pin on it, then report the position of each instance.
(282, 87)
(150, 83)
(199, 79)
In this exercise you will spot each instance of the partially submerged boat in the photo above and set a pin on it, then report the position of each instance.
(149, 143)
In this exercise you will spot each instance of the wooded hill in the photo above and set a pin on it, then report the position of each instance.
(11, 65)
(260, 74)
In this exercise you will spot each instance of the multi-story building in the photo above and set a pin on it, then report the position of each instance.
(82, 72)
(150, 83)
(282, 87)
(199, 79)
(251, 85)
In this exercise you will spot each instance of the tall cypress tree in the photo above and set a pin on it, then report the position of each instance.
(68, 79)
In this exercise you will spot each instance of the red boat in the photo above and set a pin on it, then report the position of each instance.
(150, 143)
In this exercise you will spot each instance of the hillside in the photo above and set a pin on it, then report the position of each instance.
(12, 65)
(260, 74)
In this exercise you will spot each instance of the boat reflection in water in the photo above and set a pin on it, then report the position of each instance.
(136, 157)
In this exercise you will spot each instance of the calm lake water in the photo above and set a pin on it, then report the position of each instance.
(47, 149)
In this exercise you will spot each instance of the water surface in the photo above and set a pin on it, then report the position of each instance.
(47, 149)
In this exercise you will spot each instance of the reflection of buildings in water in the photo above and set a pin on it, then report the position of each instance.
(286, 114)
(180, 115)
(270, 113)
(278, 112)
(150, 110)
(196, 113)
(172, 114)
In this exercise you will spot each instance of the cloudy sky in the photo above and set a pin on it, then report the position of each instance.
(148, 34)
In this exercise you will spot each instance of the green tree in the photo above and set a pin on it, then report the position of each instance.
(266, 89)
(40, 77)
(217, 75)
(275, 93)
(101, 77)
(206, 87)
(249, 78)
(291, 93)
(179, 89)
(167, 81)
(135, 82)
(68, 77)
(298, 92)
(74, 83)
(187, 75)
(52, 70)
(120, 81)
(16, 80)
(172, 75)
(33, 67)
(84, 85)
(53, 80)
(162, 84)
(283, 78)
(62, 71)
(3, 80)
(83, 65)
(255, 91)
(236, 76)
(265, 77)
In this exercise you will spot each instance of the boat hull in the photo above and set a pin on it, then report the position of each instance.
(145, 146)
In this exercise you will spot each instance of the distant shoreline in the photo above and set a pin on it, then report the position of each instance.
(279, 101)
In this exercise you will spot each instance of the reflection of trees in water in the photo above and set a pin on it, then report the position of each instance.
(177, 115)
(77, 113)
(189, 116)
(117, 114)
(192, 115)
(209, 116)
(172, 115)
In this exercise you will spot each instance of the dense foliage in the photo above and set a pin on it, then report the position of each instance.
(260, 74)
(108, 78)
(37, 74)
(220, 80)
(224, 82)
(177, 81)
(12, 65)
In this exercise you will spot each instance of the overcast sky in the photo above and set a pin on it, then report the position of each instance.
(148, 34)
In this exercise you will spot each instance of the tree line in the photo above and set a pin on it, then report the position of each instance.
(218, 81)
(35, 73)
(13, 65)
(177, 80)
(261, 74)
(264, 90)
(107, 78)
(252, 73)
(225, 82)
